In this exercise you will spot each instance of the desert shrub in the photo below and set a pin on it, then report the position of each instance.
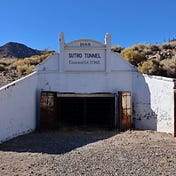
(16, 63)
(154, 47)
(169, 67)
(148, 51)
(139, 47)
(27, 61)
(133, 56)
(30, 61)
(22, 69)
(117, 48)
(169, 45)
(12, 67)
(149, 67)
(26, 65)
(29, 69)
(37, 59)
(6, 61)
(2, 67)
(44, 56)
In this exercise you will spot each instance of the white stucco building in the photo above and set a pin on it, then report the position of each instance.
(86, 84)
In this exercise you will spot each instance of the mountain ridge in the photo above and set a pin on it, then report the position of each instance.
(18, 51)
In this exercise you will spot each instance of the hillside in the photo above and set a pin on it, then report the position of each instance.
(12, 69)
(17, 50)
(152, 59)
(19, 60)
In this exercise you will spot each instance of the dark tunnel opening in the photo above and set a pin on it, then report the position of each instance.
(85, 111)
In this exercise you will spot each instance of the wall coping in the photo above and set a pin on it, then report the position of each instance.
(17, 81)
(160, 78)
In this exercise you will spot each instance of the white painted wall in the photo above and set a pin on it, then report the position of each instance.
(118, 63)
(18, 107)
(153, 100)
(50, 63)
(153, 97)
(85, 82)
(119, 79)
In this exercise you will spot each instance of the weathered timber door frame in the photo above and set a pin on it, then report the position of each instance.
(116, 113)
(125, 110)
(47, 109)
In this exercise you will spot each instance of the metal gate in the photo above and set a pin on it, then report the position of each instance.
(125, 110)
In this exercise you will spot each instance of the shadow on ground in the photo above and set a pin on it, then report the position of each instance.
(54, 142)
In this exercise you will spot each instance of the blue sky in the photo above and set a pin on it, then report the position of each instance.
(37, 23)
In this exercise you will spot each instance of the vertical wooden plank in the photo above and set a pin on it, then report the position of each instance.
(120, 110)
(47, 110)
(125, 110)
(116, 117)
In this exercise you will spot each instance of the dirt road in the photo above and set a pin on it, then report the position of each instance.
(89, 153)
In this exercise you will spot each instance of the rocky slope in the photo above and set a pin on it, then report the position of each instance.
(17, 60)
(17, 50)
(152, 59)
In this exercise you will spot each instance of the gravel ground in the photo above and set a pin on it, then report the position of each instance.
(91, 153)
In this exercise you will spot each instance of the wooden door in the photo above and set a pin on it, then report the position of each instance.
(47, 111)
(125, 110)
